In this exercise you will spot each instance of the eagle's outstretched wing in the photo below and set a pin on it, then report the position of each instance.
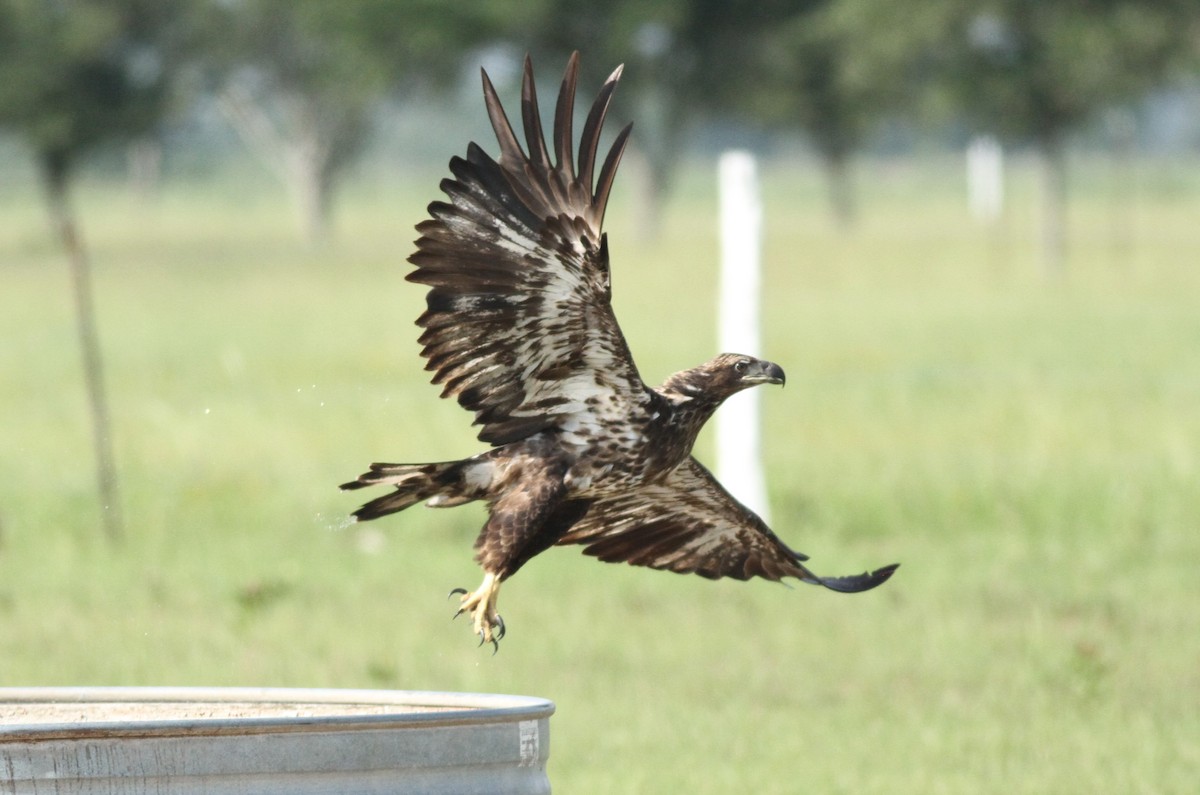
(689, 524)
(519, 327)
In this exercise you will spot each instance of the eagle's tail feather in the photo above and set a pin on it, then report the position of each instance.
(442, 485)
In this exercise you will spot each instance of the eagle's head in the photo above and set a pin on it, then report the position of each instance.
(721, 377)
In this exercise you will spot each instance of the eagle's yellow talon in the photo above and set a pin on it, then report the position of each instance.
(481, 604)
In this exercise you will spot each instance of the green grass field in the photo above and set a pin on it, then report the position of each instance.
(1029, 452)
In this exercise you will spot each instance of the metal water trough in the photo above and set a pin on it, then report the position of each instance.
(221, 741)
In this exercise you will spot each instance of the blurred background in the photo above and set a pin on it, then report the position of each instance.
(982, 274)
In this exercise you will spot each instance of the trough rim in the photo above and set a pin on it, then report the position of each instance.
(450, 709)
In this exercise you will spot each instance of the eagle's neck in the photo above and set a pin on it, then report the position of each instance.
(690, 415)
(687, 407)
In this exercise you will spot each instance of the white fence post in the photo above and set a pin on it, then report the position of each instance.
(985, 178)
(739, 460)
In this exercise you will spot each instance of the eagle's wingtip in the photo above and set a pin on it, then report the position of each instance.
(860, 582)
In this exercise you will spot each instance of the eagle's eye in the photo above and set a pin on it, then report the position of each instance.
(740, 365)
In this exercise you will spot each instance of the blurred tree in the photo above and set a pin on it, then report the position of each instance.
(778, 63)
(301, 77)
(1033, 71)
(831, 68)
(812, 70)
(74, 73)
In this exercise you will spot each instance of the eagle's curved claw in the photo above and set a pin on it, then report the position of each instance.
(495, 636)
(495, 640)
(458, 592)
(481, 605)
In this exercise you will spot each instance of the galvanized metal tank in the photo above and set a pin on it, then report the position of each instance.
(220, 741)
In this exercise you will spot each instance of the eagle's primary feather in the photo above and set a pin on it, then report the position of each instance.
(519, 329)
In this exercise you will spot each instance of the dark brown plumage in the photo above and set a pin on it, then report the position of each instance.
(519, 330)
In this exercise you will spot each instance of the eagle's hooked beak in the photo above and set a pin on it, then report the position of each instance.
(761, 372)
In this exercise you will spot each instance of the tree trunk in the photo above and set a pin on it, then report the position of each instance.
(647, 195)
(55, 173)
(1054, 208)
(305, 154)
(143, 159)
(1122, 129)
(311, 186)
(841, 189)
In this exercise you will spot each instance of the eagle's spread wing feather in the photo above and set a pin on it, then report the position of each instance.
(689, 524)
(519, 326)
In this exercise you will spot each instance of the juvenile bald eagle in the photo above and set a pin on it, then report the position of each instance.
(520, 331)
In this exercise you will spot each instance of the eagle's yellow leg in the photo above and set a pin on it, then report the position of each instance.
(481, 604)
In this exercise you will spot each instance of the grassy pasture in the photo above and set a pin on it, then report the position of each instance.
(1029, 452)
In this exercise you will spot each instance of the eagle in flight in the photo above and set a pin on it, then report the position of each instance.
(519, 330)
